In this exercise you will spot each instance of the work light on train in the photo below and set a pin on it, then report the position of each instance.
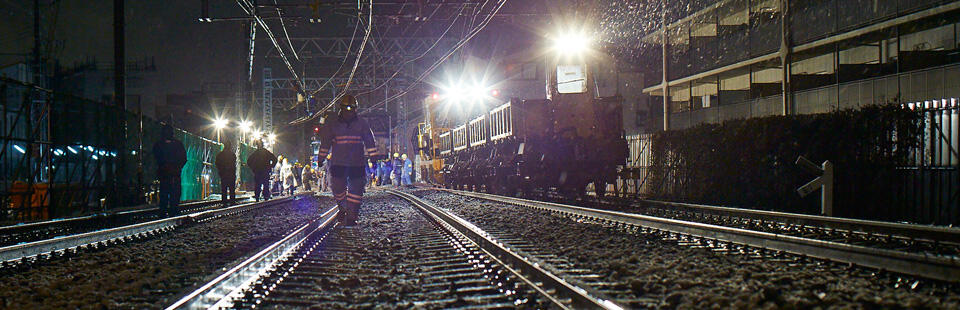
(571, 43)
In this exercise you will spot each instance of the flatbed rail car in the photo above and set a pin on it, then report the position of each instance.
(563, 143)
(523, 145)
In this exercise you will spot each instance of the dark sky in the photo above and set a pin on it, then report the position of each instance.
(187, 52)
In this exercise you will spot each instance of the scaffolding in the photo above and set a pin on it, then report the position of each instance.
(63, 155)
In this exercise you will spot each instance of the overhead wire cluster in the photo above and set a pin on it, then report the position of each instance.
(353, 71)
(250, 9)
(378, 57)
(477, 29)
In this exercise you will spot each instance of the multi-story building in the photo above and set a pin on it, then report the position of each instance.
(732, 59)
(93, 80)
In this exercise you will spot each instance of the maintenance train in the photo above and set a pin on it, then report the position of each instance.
(564, 144)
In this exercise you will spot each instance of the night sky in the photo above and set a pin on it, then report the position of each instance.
(187, 52)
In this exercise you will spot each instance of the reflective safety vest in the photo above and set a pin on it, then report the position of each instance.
(347, 142)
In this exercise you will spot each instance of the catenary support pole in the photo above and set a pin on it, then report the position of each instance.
(119, 75)
(785, 56)
(666, 65)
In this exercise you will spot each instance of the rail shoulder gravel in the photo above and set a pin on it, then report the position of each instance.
(938, 268)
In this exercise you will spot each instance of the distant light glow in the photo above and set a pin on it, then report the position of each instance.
(245, 126)
(19, 149)
(460, 94)
(94, 156)
(71, 150)
(220, 123)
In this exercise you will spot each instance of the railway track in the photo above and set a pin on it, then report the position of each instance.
(641, 266)
(145, 273)
(30, 252)
(923, 251)
(915, 238)
(402, 254)
(29, 232)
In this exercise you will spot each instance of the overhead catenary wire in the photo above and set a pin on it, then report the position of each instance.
(476, 12)
(400, 68)
(353, 71)
(457, 47)
(335, 73)
(349, 49)
(460, 44)
(285, 34)
(273, 39)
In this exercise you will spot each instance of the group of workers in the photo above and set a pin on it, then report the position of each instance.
(346, 141)
(398, 171)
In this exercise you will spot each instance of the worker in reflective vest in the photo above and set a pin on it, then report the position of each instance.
(349, 141)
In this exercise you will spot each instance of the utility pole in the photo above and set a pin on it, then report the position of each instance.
(119, 74)
(37, 62)
(119, 65)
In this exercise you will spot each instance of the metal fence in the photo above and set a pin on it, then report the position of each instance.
(633, 175)
(930, 191)
(63, 155)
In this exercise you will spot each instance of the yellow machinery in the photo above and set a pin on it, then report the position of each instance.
(428, 143)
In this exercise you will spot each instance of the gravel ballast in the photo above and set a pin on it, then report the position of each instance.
(686, 277)
(151, 273)
(395, 258)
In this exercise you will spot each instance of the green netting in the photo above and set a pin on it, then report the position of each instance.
(246, 175)
(198, 179)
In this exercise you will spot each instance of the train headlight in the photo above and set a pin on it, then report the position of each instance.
(571, 43)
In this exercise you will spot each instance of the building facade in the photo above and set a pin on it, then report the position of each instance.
(734, 59)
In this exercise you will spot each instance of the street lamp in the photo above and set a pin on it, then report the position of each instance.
(220, 124)
(245, 127)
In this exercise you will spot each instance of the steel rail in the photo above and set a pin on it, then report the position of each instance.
(54, 222)
(578, 297)
(914, 231)
(32, 249)
(927, 266)
(99, 218)
(220, 292)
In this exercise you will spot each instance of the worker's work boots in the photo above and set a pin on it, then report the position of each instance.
(349, 216)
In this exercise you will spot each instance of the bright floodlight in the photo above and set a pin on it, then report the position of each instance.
(272, 137)
(245, 126)
(478, 92)
(456, 93)
(220, 123)
(572, 43)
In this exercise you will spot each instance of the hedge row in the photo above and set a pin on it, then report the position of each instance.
(751, 163)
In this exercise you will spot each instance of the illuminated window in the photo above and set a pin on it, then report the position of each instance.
(571, 79)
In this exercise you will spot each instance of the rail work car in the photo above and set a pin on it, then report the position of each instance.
(561, 144)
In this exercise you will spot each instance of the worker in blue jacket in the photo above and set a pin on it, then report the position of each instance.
(397, 169)
(407, 170)
(371, 173)
(386, 170)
